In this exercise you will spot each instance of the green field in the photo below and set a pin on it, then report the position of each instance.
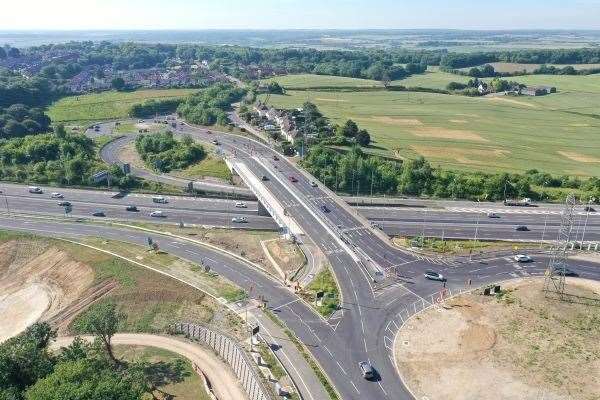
(82, 110)
(209, 166)
(558, 133)
(432, 78)
(517, 67)
(308, 81)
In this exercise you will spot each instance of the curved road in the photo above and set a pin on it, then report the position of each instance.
(224, 382)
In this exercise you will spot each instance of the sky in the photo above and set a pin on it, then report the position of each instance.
(298, 14)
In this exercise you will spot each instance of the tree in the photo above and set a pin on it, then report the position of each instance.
(2, 53)
(59, 131)
(363, 138)
(349, 130)
(102, 319)
(118, 83)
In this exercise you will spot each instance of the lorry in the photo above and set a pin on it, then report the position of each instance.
(526, 202)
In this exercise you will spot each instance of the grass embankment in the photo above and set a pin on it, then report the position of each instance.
(458, 247)
(190, 388)
(324, 281)
(503, 134)
(309, 81)
(85, 109)
(149, 300)
(210, 166)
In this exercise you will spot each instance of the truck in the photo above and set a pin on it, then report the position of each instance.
(526, 202)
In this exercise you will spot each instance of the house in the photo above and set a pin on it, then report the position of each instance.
(537, 90)
(482, 88)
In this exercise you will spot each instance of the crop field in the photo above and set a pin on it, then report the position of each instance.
(309, 81)
(557, 133)
(81, 110)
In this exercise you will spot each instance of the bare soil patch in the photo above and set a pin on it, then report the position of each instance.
(445, 133)
(130, 155)
(334, 100)
(517, 345)
(512, 101)
(461, 155)
(398, 121)
(286, 255)
(571, 155)
(37, 282)
(459, 121)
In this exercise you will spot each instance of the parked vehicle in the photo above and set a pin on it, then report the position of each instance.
(159, 199)
(434, 276)
(522, 258)
(131, 207)
(215, 142)
(239, 204)
(56, 195)
(158, 214)
(35, 190)
(275, 158)
(522, 228)
(366, 370)
(239, 220)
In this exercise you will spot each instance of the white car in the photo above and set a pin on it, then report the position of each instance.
(157, 214)
(522, 258)
(57, 195)
(493, 215)
(313, 184)
(239, 204)
(239, 220)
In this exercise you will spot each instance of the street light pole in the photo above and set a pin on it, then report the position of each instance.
(587, 215)
(544, 231)
(475, 237)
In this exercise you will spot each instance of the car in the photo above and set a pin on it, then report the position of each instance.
(239, 204)
(366, 370)
(215, 142)
(313, 184)
(434, 276)
(140, 121)
(159, 199)
(239, 220)
(522, 258)
(275, 158)
(292, 179)
(493, 215)
(57, 195)
(158, 214)
(131, 207)
(264, 178)
(64, 204)
(589, 209)
(35, 190)
(324, 208)
(565, 271)
(98, 213)
(209, 132)
(521, 228)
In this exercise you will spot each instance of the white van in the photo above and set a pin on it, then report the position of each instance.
(159, 199)
(35, 189)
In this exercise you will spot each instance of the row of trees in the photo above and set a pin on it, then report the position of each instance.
(162, 152)
(152, 107)
(210, 105)
(356, 172)
(82, 370)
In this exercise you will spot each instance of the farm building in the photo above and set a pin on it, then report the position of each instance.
(537, 90)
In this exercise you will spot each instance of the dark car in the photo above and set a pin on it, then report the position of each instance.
(565, 271)
(64, 204)
(215, 142)
(275, 158)
(264, 178)
(522, 228)
(366, 370)
(589, 209)
(292, 179)
(324, 208)
(99, 213)
(131, 207)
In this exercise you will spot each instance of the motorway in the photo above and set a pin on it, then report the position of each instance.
(371, 304)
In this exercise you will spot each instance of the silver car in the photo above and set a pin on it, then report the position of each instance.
(366, 370)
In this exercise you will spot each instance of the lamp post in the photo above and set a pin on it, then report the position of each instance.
(587, 215)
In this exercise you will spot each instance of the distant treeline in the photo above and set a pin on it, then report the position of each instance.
(549, 56)
(153, 107)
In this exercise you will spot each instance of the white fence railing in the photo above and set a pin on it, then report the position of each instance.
(233, 354)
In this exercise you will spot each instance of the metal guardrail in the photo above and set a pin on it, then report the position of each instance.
(233, 354)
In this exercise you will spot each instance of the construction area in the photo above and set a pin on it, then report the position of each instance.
(517, 344)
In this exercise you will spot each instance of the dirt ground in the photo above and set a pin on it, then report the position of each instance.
(37, 281)
(286, 254)
(129, 154)
(517, 345)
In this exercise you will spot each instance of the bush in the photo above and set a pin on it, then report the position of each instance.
(163, 153)
(210, 106)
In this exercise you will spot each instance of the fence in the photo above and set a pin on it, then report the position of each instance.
(233, 354)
